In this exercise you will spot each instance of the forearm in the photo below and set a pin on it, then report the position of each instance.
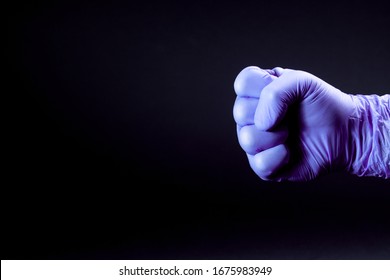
(369, 151)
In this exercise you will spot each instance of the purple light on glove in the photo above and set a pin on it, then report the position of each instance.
(294, 126)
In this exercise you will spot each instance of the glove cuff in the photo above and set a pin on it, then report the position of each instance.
(369, 139)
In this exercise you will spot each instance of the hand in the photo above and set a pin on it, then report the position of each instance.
(292, 125)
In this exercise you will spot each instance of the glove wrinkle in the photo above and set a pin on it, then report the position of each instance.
(370, 130)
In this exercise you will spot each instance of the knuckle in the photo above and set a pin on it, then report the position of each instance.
(261, 166)
(244, 111)
(247, 139)
(239, 113)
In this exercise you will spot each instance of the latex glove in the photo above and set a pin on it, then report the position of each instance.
(294, 126)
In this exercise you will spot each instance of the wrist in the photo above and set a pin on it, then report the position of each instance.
(368, 150)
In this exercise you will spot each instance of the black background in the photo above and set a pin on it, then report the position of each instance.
(120, 140)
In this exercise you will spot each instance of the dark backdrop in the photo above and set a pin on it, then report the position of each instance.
(120, 140)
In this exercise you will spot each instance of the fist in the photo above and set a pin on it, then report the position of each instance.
(292, 125)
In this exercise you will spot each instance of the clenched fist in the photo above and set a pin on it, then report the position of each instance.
(294, 126)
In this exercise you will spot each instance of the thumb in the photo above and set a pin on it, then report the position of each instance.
(275, 99)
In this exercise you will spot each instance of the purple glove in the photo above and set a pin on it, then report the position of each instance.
(294, 126)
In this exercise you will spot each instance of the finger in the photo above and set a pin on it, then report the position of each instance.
(253, 141)
(278, 71)
(244, 110)
(238, 129)
(269, 161)
(270, 71)
(251, 80)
